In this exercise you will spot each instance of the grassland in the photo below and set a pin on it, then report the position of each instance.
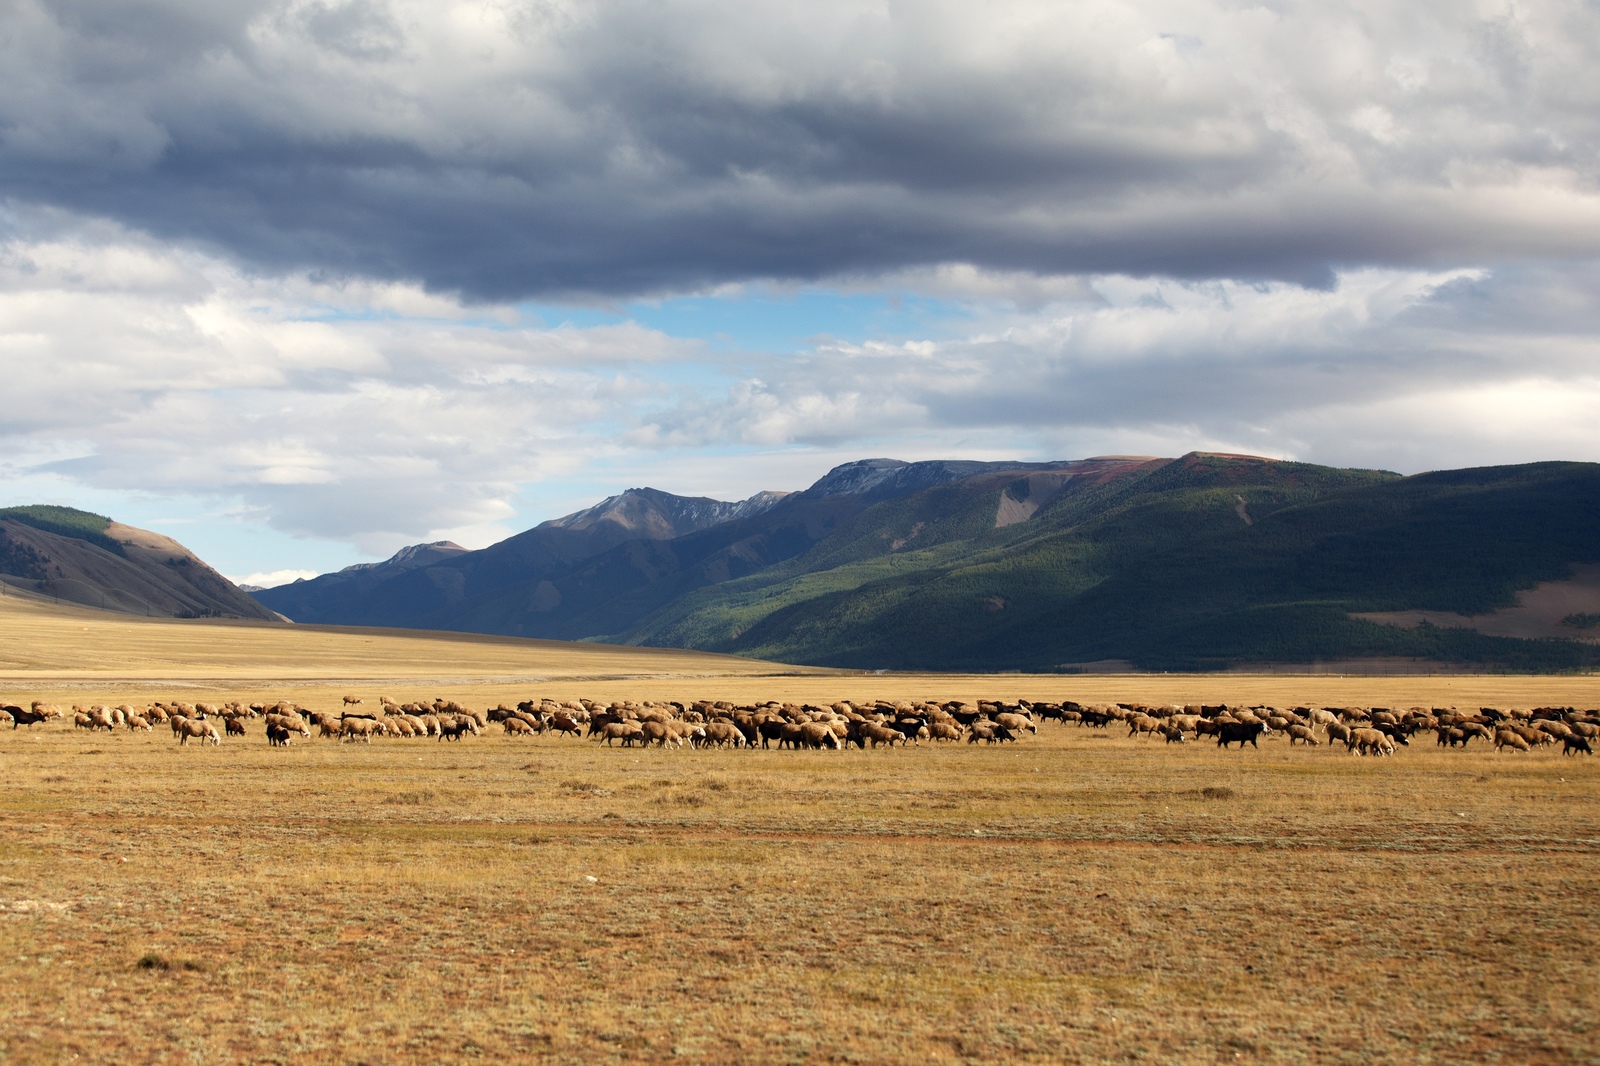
(41, 640)
(1075, 897)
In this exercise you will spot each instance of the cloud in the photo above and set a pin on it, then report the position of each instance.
(378, 415)
(1408, 369)
(321, 407)
(506, 149)
(273, 578)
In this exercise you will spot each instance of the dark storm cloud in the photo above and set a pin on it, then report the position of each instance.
(506, 150)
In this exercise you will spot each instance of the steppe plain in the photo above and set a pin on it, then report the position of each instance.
(1074, 897)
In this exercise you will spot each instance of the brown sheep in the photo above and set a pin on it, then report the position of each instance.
(614, 731)
(1573, 744)
(872, 732)
(818, 735)
(352, 701)
(356, 727)
(565, 724)
(1505, 738)
(722, 733)
(988, 732)
(654, 732)
(1016, 723)
(457, 726)
(233, 727)
(292, 722)
(198, 728)
(1370, 742)
(1303, 734)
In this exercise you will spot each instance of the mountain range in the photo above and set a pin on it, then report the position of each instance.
(1205, 561)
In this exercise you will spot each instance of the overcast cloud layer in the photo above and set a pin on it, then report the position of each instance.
(275, 259)
(509, 148)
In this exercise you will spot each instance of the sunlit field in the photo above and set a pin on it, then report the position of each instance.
(1075, 896)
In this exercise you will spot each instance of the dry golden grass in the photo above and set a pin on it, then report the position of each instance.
(42, 640)
(1075, 897)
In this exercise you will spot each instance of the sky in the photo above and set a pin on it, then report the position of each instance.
(299, 283)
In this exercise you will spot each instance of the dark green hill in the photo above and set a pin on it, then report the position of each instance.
(1202, 563)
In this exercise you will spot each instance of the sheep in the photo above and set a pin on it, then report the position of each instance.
(1572, 744)
(989, 733)
(877, 734)
(1142, 723)
(278, 736)
(137, 722)
(198, 728)
(295, 724)
(1558, 730)
(1240, 733)
(352, 701)
(516, 727)
(453, 728)
(723, 733)
(566, 724)
(614, 731)
(1506, 738)
(1172, 731)
(1302, 734)
(818, 735)
(1016, 723)
(654, 732)
(1369, 742)
(356, 727)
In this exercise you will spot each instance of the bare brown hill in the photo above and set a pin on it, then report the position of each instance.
(114, 566)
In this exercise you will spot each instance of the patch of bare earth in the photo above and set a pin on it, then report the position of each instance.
(1541, 612)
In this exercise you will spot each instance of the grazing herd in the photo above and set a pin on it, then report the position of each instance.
(1368, 731)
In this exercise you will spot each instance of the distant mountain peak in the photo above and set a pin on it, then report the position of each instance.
(412, 556)
(894, 477)
(657, 515)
